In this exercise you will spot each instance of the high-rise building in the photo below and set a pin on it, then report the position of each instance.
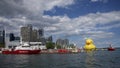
(62, 42)
(59, 42)
(2, 37)
(11, 37)
(34, 36)
(26, 33)
(31, 35)
(41, 32)
(43, 40)
(12, 41)
(66, 42)
(49, 39)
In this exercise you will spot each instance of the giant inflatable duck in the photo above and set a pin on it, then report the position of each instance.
(89, 45)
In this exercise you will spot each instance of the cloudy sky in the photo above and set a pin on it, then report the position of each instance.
(72, 19)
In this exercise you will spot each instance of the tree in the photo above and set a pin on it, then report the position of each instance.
(2, 45)
(50, 45)
(58, 46)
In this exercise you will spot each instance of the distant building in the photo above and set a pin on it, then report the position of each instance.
(43, 40)
(34, 36)
(62, 42)
(2, 37)
(66, 42)
(29, 34)
(17, 38)
(49, 39)
(11, 37)
(59, 42)
(26, 33)
(41, 32)
(12, 41)
(12, 44)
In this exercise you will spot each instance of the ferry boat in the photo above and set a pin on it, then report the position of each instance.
(24, 48)
(110, 48)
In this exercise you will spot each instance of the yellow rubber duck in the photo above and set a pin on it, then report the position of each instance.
(89, 45)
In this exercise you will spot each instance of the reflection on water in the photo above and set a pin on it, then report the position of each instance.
(89, 60)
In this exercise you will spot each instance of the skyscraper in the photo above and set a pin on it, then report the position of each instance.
(66, 42)
(59, 42)
(12, 37)
(62, 42)
(26, 33)
(41, 36)
(2, 37)
(49, 39)
(34, 36)
(29, 34)
(41, 32)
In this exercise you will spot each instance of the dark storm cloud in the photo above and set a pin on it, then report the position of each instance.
(11, 8)
(12, 14)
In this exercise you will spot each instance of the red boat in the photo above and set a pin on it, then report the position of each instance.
(63, 51)
(21, 52)
(23, 49)
(111, 48)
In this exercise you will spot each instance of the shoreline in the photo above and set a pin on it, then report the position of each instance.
(54, 51)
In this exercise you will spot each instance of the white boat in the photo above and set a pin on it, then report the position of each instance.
(24, 48)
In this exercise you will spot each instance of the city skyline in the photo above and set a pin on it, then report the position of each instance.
(75, 20)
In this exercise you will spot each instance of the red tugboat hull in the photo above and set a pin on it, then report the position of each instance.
(111, 49)
(21, 52)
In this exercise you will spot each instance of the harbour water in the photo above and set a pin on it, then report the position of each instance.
(97, 59)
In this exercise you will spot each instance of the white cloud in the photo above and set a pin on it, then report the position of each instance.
(104, 1)
(94, 0)
(39, 6)
(82, 25)
(85, 24)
